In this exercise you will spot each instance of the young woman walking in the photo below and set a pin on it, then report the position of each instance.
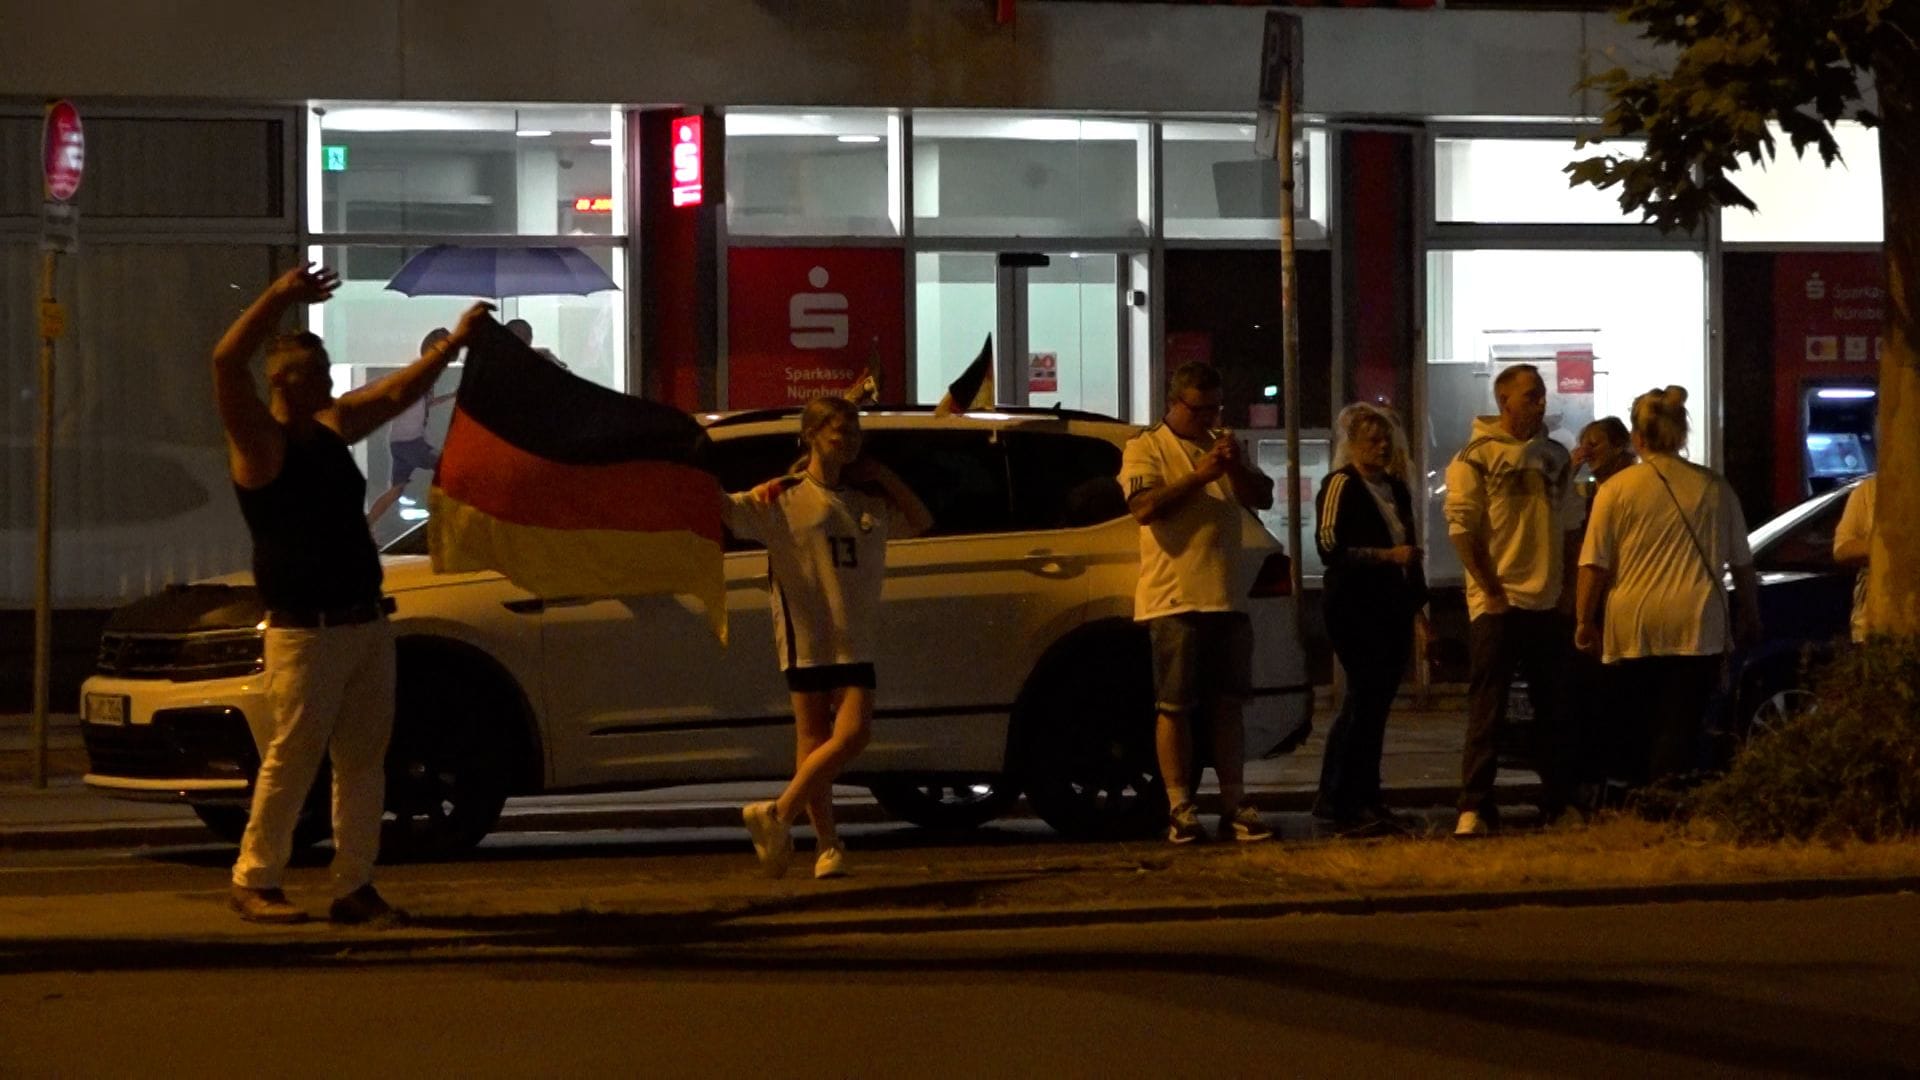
(826, 529)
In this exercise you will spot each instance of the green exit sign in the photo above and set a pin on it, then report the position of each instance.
(335, 158)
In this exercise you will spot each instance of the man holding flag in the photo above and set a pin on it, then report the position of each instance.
(329, 651)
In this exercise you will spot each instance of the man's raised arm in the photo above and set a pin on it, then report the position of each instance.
(255, 447)
(359, 413)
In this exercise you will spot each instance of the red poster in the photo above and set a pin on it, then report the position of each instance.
(802, 322)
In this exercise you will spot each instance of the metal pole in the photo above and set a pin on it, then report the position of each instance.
(43, 583)
(1290, 319)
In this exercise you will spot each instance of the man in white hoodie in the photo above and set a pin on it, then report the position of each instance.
(1510, 505)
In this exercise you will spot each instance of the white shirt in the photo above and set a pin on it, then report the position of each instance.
(1517, 497)
(1663, 599)
(1382, 493)
(411, 423)
(827, 555)
(1187, 557)
(1856, 523)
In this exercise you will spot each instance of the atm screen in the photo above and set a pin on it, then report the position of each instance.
(1836, 454)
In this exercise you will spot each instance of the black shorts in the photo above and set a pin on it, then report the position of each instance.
(411, 456)
(820, 680)
(1200, 657)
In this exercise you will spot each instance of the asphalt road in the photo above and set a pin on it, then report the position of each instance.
(1808, 988)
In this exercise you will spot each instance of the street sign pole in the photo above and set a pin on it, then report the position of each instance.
(62, 160)
(1279, 87)
(52, 324)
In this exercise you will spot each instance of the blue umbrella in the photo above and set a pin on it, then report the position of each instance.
(447, 270)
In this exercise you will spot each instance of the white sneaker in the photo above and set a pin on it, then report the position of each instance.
(832, 863)
(772, 838)
(1471, 824)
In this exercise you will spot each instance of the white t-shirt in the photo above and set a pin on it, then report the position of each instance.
(1186, 557)
(1662, 601)
(827, 555)
(411, 423)
(1382, 493)
(1518, 497)
(1856, 523)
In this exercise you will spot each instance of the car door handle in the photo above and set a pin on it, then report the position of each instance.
(1051, 564)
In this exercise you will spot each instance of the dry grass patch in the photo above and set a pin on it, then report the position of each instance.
(1618, 852)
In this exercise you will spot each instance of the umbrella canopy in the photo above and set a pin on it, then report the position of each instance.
(446, 270)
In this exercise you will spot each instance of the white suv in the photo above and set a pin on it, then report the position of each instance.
(1009, 660)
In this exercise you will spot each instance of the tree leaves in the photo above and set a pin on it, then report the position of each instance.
(1741, 64)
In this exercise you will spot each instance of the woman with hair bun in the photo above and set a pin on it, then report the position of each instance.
(1661, 536)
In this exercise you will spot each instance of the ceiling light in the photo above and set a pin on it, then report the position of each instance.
(859, 138)
(607, 141)
(533, 133)
(1845, 394)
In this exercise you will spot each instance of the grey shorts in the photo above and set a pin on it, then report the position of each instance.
(1201, 657)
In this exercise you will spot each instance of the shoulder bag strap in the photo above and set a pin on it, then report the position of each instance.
(1706, 564)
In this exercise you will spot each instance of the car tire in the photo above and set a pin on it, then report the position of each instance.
(449, 766)
(946, 804)
(315, 823)
(1084, 741)
(1772, 700)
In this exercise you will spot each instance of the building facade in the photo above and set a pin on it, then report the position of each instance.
(787, 195)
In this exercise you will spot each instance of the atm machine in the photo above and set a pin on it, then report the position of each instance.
(1836, 433)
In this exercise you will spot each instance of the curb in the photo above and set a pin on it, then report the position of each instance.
(190, 833)
(546, 935)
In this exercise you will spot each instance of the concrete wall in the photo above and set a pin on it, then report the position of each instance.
(925, 53)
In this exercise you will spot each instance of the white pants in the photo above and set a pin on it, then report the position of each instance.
(331, 690)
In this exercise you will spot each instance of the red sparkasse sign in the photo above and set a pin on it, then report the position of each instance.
(802, 322)
(688, 169)
(63, 150)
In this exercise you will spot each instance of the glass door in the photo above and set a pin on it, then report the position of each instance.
(1058, 323)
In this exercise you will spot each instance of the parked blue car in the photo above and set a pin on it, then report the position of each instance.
(1806, 603)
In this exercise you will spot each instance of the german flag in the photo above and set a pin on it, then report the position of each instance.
(571, 489)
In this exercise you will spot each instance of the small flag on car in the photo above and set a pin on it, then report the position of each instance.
(570, 489)
(974, 388)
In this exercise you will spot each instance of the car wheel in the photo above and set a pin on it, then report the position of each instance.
(315, 823)
(449, 767)
(946, 804)
(1085, 744)
(1775, 706)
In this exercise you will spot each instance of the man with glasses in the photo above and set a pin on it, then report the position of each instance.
(1186, 482)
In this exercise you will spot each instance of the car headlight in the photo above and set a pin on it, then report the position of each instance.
(238, 652)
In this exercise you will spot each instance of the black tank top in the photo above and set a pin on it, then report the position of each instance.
(312, 549)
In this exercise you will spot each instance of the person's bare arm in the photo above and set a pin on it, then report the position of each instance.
(1593, 585)
(873, 471)
(1157, 502)
(359, 413)
(1253, 488)
(1478, 564)
(255, 447)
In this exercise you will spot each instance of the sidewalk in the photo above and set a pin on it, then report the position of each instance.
(1420, 768)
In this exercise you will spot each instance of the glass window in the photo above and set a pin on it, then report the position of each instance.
(1223, 306)
(142, 168)
(1064, 481)
(141, 491)
(1217, 186)
(956, 299)
(1602, 327)
(1027, 176)
(541, 171)
(367, 325)
(1801, 200)
(960, 475)
(1519, 182)
(810, 174)
(1073, 332)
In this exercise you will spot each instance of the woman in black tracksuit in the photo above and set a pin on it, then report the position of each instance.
(1375, 591)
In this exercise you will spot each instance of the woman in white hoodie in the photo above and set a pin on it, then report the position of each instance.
(1662, 534)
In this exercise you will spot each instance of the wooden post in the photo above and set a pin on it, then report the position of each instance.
(51, 326)
(1290, 339)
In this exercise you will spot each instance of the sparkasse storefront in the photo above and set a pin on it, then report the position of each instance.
(884, 193)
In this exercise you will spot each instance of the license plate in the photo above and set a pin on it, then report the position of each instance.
(105, 709)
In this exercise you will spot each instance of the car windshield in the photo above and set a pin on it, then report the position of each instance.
(1801, 538)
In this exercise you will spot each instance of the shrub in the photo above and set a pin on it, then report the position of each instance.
(1847, 768)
